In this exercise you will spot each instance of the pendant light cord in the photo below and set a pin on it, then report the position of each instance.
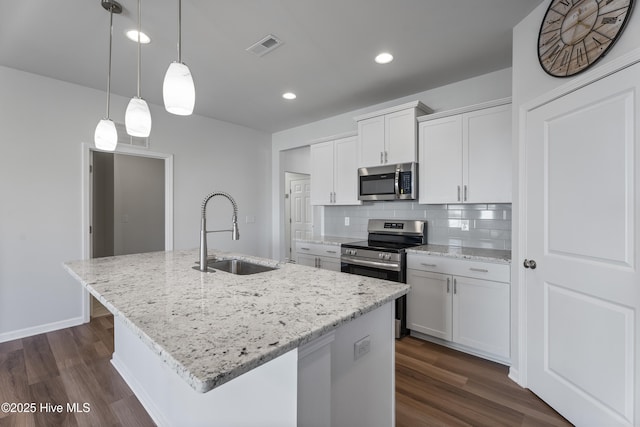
(139, 29)
(109, 72)
(180, 31)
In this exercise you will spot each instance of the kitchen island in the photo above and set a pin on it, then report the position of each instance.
(262, 349)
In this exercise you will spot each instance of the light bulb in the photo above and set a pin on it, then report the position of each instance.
(106, 136)
(137, 118)
(178, 91)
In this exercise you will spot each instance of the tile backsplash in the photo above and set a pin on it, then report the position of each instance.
(489, 225)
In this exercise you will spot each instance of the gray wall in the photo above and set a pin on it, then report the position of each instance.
(138, 204)
(44, 123)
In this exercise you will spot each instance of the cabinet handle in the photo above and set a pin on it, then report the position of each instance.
(455, 286)
(448, 287)
(465, 193)
(481, 270)
(330, 252)
(381, 157)
(429, 265)
(305, 249)
(319, 263)
(385, 157)
(458, 193)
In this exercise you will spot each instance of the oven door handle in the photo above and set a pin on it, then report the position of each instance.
(375, 264)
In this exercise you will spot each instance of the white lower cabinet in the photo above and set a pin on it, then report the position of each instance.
(318, 255)
(454, 301)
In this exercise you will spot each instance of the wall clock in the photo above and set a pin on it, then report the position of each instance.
(575, 34)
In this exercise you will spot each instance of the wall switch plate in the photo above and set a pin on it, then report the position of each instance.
(250, 219)
(464, 225)
(346, 221)
(362, 347)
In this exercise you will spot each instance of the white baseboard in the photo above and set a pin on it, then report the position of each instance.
(41, 329)
(514, 375)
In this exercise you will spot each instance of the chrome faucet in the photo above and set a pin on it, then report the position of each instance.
(235, 235)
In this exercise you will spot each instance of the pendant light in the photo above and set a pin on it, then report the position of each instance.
(137, 118)
(178, 91)
(106, 136)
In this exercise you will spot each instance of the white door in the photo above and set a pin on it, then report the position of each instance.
(400, 133)
(582, 212)
(487, 155)
(345, 183)
(301, 219)
(371, 136)
(429, 303)
(322, 173)
(441, 160)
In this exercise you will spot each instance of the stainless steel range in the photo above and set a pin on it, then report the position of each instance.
(383, 256)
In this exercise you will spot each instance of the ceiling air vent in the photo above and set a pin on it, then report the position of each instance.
(125, 139)
(266, 45)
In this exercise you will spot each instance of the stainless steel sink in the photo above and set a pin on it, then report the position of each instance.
(236, 266)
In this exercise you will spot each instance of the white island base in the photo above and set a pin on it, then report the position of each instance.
(321, 383)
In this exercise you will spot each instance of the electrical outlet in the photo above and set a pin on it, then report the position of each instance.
(346, 221)
(362, 347)
(464, 225)
(250, 219)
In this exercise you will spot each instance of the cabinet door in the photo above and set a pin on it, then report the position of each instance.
(371, 141)
(321, 156)
(327, 263)
(400, 129)
(440, 170)
(429, 303)
(481, 315)
(308, 260)
(487, 156)
(345, 182)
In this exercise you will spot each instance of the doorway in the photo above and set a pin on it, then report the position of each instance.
(298, 213)
(127, 206)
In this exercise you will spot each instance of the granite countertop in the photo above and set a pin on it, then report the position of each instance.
(476, 254)
(213, 327)
(330, 240)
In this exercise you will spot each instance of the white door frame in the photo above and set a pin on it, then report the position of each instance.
(86, 203)
(518, 373)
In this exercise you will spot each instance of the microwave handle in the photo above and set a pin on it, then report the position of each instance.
(397, 182)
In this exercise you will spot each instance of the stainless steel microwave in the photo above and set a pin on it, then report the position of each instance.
(389, 182)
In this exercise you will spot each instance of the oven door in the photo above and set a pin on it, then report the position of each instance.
(391, 275)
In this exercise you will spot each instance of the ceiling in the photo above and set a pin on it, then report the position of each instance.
(326, 58)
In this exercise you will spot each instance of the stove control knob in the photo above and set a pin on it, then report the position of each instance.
(387, 257)
(380, 255)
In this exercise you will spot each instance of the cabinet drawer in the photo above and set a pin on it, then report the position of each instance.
(331, 251)
(460, 267)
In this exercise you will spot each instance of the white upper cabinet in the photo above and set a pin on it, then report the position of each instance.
(334, 172)
(390, 136)
(465, 157)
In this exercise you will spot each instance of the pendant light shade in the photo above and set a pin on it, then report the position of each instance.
(106, 136)
(137, 118)
(178, 90)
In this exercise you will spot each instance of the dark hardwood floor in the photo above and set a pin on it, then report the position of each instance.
(67, 367)
(435, 386)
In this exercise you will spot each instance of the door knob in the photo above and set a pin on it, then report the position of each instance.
(529, 263)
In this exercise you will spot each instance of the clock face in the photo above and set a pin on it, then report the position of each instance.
(576, 33)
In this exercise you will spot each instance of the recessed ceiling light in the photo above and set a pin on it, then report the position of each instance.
(289, 95)
(133, 35)
(384, 58)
